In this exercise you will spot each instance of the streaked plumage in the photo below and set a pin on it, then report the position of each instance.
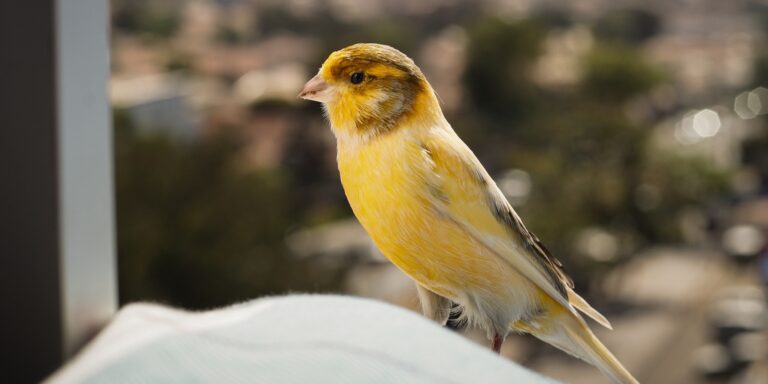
(433, 210)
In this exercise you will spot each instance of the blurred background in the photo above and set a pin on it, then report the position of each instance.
(631, 136)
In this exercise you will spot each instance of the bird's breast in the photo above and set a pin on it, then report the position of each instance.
(384, 181)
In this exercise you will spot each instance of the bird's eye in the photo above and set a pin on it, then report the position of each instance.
(357, 77)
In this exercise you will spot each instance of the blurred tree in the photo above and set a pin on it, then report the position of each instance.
(553, 18)
(196, 230)
(760, 12)
(760, 69)
(677, 183)
(755, 153)
(177, 61)
(276, 19)
(499, 57)
(143, 17)
(228, 35)
(629, 26)
(586, 162)
(616, 73)
(313, 172)
(754, 148)
(309, 162)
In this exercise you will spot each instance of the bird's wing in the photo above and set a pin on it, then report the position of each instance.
(464, 193)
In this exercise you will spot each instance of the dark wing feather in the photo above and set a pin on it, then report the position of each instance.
(504, 213)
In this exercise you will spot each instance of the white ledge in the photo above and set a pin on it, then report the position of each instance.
(290, 339)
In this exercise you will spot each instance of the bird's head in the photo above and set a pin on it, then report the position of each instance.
(370, 89)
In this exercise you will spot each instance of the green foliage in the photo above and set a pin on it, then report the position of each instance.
(553, 18)
(760, 69)
(499, 58)
(755, 151)
(591, 167)
(228, 35)
(138, 17)
(760, 14)
(629, 26)
(615, 73)
(681, 183)
(760, 64)
(178, 62)
(585, 161)
(196, 230)
(381, 31)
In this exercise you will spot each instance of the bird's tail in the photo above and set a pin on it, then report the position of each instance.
(572, 335)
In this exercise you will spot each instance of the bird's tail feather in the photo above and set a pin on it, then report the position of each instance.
(572, 335)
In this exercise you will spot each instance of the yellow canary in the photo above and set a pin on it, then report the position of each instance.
(433, 210)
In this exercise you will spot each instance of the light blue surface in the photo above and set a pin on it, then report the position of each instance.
(293, 339)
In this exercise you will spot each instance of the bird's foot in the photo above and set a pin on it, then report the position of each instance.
(497, 341)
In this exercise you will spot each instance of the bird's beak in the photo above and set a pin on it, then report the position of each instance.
(316, 89)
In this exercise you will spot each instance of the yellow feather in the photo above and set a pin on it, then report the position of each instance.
(582, 305)
(390, 200)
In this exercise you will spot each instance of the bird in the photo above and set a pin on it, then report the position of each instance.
(433, 210)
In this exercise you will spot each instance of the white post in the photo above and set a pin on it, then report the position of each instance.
(57, 240)
(86, 197)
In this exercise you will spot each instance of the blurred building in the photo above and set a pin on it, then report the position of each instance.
(157, 102)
